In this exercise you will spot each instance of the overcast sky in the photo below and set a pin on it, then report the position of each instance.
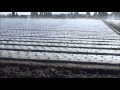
(28, 13)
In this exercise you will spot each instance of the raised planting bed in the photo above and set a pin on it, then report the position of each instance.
(77, 40)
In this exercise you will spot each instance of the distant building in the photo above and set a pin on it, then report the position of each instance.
(24, 16)
(71, 13)
(34, 14)
(45, 14)
(9, 15)
(76, 14)
(41, 13)
(102, 14)
(95, 14)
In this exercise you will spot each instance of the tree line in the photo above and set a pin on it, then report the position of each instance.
(69, 15)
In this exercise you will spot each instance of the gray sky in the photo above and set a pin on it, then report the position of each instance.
(28, 13)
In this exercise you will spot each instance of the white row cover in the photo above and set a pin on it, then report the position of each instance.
(79, 40)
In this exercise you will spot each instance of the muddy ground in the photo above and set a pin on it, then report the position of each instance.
(27, 69)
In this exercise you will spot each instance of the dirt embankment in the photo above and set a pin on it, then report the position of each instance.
(24, 69)
(114, 26)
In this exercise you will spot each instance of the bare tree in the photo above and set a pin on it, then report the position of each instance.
(88, 14)
(13, 14)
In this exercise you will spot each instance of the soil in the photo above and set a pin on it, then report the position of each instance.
(113, 26)
(30, 69)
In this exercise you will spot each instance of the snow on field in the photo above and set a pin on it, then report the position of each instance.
(76, 40)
